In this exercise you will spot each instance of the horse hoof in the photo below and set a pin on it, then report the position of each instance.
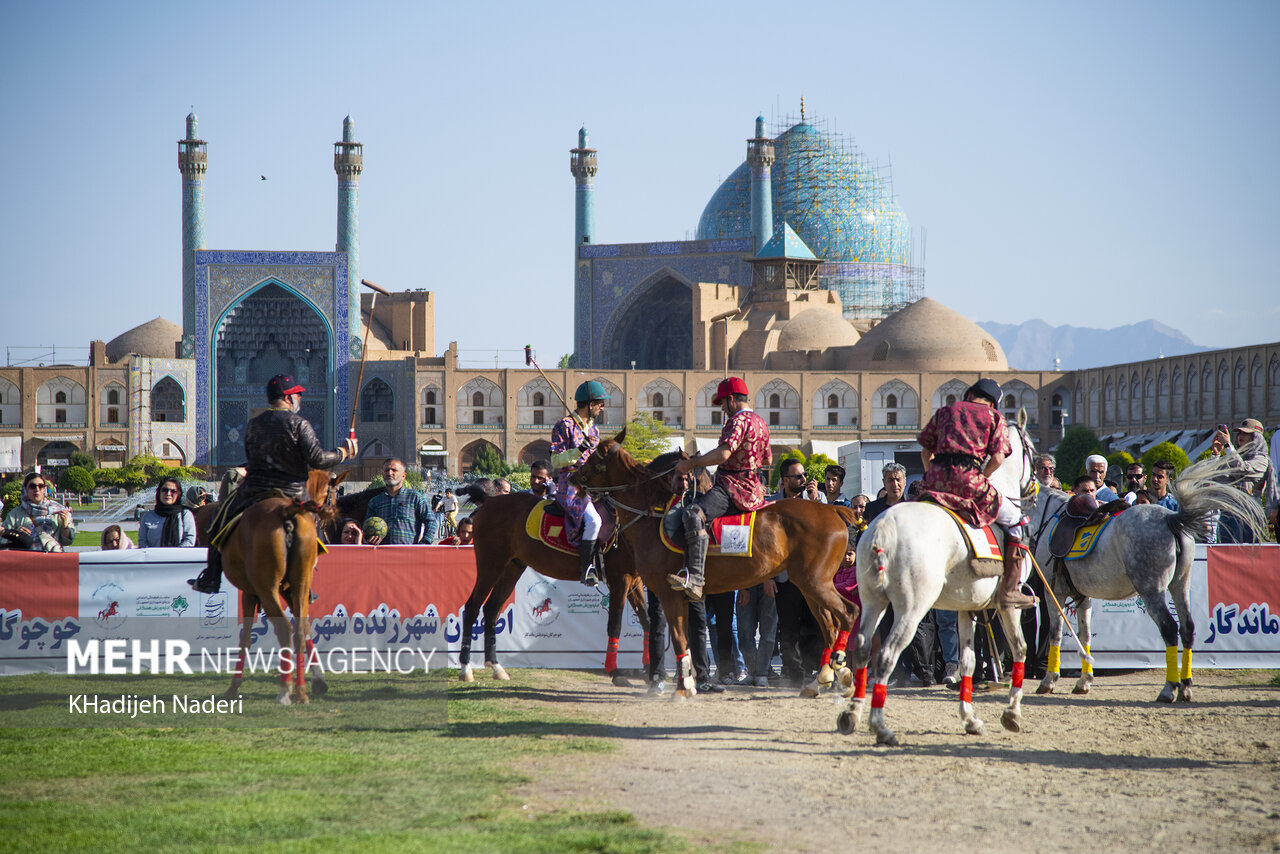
(1044, 688)
(319, 687)
(813, 689)
(468, 675)
(1011, 720)
(973, 726)
(1081, 688)
(887, 737)
(845, 723)
(499, 673)
(1184, 692)
(620, 681)
(845, 677)
(1166, 693)
(826, 675)
(284, 699)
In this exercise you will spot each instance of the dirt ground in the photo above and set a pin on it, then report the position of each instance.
(1112, 770)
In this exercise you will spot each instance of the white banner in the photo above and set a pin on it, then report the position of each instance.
(10, 453)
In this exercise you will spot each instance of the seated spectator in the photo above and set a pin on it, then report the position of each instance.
(114, 538)
(38, 523)
(169, 524)
(198, 496)
(464, 536)
(351, 533)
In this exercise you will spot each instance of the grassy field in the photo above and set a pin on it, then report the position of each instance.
(355, 768)
(94, 538)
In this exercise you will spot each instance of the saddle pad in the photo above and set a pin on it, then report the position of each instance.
(740, 541)
(1085, 539)
(982, 541)
(548, 528)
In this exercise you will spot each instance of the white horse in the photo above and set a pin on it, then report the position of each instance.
(915, 557)
(1146, 550)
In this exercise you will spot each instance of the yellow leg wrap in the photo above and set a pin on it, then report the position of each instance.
(1086, 666)
(1186, 665)
(1171, 663)
(1055, 659)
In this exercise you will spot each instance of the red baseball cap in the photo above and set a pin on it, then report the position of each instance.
(280, 385)
(733, 385)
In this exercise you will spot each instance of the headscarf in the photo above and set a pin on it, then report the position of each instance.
(172, 514)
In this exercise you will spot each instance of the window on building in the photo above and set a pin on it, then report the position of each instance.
(891, 401)
(113, 415)
(657, 415)
(477, 416)
(113, 397)
(60, 415)
(891, 418)
(833, 401)
(429, 415)
(656, 400)
(715, 418)
(477, 399)
(774, 419)
(431, 396)
(537, 416)
(833, 419)
(60, 397)
(775, 401)
(539, 399)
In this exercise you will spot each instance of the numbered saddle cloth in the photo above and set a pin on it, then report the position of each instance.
(546, 523)
(731, 536)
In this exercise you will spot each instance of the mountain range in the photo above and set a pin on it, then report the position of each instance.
(1034, 344)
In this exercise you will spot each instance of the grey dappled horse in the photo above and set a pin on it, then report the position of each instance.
(1146, 550)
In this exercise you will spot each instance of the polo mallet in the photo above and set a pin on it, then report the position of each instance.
(1086, 656)
(364, 351)
(529, 360)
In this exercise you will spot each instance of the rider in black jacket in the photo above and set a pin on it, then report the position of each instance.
(281, 448)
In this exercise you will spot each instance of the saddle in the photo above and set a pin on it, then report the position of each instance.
(731, 536)
(985, 546)
(1073, 538)
(546, 524)
(228, 515)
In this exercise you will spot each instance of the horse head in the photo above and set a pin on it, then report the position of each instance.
(1016, 477)
(608, 468)
(323, 489)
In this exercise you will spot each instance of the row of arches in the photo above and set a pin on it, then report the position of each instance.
(62, 400)
(835, 405)
(1201, 391)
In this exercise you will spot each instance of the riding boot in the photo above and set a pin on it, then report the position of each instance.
(586, 563)
(210, 578)
(1011, 594)
(695, 560)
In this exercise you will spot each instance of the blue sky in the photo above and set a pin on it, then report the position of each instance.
(1090, 164)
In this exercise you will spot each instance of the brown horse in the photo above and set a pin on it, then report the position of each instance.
(503, 550)
(273, 575)
(804, 538)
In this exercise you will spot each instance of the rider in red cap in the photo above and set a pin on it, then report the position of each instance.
(742, 455)
(281, 448)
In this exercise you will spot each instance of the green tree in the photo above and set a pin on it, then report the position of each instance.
(519, 477)
(77, 480)
(106, 477)
(1119, 458)
(646, 438)
(85, 461)
(566, 361)
(1165, 452)
(12, 493)
(488, 462)
(816, 467)
(1078, 444)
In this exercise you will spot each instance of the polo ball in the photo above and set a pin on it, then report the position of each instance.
(375, 527)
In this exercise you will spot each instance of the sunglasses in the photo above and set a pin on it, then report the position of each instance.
(39, 485)
(168, 492)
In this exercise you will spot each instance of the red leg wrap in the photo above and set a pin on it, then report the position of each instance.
(1019, 670)
(966, 689)
(611, 657)
(860, 683)
(645, 654)
(878, 692)
(842, 641)
(300, 674)
(826, 657)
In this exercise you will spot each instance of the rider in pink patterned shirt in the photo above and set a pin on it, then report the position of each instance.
(742, 453)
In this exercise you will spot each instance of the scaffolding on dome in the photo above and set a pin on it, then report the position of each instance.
(843, 205)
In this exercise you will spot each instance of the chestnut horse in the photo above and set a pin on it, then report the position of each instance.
(264, 568)
(503, 550)
(804, 538)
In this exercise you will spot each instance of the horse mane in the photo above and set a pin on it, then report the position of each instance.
(477, 491)
(348, 503)
(1211, 485)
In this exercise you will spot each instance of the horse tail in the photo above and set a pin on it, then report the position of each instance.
(475, 491)
(845, 513)
(884, 539)
(1207, 486)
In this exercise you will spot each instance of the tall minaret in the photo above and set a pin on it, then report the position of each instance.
(760, 158)
(348, 162)
(582, 163)
(193, 159)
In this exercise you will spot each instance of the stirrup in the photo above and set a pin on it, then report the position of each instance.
(682, 582)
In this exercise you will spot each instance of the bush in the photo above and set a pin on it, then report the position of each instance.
(816, 467)
(85, 461)
(1120, 459)
(77, 480)
(1075, 447)
(106, 477)
(519, 479)
(1166, 452)
(646, 438)
(488, 462)
(776, 476)
(12, 493)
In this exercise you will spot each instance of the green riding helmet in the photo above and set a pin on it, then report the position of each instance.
(589, 391)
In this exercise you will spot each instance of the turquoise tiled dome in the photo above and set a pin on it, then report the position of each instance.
(838, 204)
